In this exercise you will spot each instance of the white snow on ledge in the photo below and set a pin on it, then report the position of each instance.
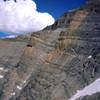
(12, 94)
(4, 70)
(1, 76)
(19, 87)
(88, 90)
(1, 68)
(89, 57)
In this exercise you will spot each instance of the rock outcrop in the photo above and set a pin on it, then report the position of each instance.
(59, 60)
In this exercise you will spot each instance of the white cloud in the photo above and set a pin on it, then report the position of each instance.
(22, 17)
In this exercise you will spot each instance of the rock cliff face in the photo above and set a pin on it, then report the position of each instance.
(57, 62)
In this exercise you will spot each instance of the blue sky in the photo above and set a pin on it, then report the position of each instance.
(55, 7)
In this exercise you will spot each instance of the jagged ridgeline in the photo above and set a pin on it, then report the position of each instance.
(58, 61)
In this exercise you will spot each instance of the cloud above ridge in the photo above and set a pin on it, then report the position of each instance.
(22, 17)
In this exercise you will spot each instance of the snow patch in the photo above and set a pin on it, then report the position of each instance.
(1, 76)
(19, 87)
(89, 56)
(24, 81)
(88, 90)
(1, 68)
(13, 93)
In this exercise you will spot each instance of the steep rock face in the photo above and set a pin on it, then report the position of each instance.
(63, 21)
(58, 62)
(73, 57)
